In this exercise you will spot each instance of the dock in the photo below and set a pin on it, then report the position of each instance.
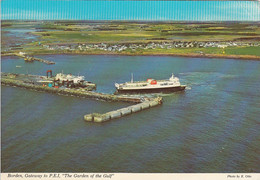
(99, 118)
(40, 60)
(31, 59)
(28, 82)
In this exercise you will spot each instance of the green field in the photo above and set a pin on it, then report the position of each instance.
(53, 33)
(144, 32)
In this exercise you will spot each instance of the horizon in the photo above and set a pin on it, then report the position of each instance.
(137, 21)
(128, 10)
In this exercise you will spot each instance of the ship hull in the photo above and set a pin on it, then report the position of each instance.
(152, 90)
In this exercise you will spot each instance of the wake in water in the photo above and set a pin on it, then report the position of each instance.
(203, 78)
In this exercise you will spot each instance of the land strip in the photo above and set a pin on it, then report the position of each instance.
(239, 40)
(191, 55)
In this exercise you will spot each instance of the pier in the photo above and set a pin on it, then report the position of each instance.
(96, 117)
(31, 59)
(29, 82)
(38, 59)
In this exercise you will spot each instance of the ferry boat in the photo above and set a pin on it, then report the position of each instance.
(151, 86)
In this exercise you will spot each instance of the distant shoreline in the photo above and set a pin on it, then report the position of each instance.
(220, 56)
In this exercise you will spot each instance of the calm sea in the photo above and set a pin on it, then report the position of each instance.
(214, 126)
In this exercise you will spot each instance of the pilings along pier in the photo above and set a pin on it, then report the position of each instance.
(81, 89)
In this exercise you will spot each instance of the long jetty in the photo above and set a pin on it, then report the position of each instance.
(96, 117)
(31, 59)
(42, 60)
(24, 81)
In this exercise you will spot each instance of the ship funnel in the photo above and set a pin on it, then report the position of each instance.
(172, 77)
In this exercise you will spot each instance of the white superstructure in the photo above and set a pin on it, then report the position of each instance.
(69, 77)
(151, 84)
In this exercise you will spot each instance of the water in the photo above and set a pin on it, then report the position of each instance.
(214, 126)
(17, 35)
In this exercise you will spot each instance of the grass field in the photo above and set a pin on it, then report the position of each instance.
(129, 32)
(67, 32)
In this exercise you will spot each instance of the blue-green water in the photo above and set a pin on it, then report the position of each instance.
(214, 126)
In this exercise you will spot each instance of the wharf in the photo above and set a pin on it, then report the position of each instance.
(30, 82)
(31, 59)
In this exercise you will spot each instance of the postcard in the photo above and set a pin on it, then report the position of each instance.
(138, 89)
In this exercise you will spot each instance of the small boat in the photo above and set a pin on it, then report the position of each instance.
(151, 86)
(18, 66)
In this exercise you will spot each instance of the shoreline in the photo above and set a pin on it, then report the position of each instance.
(220, 56)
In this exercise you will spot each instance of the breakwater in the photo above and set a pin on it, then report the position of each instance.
(31, 59)
(41, 60)
(96, 117)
